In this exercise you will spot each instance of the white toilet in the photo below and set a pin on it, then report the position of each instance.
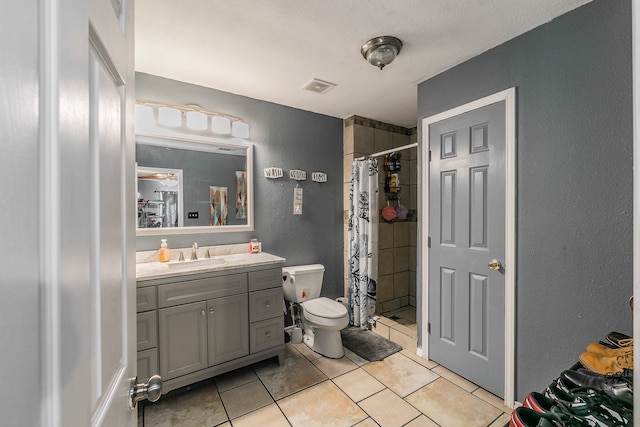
(322, 318)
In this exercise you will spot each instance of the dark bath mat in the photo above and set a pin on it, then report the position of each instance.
(368, 345)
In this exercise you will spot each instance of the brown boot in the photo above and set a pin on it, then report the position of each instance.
(606, 365)
(602, 350)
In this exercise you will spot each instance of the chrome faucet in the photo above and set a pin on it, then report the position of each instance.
(194, 253)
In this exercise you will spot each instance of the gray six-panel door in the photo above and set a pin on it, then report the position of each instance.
(466, 227)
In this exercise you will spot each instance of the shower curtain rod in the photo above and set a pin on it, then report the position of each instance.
(382, 153)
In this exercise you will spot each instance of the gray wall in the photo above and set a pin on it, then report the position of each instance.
(284, 137)
(574, 130)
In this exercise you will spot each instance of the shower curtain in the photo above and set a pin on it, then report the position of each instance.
(363, 241)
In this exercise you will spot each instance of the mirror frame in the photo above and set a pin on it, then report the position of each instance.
(198, 143)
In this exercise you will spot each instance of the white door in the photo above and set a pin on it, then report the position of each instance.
(111, 199)
(69, 104)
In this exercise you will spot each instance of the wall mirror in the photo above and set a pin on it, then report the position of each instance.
(191, 185)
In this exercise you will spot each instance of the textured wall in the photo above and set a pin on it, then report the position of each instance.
(284, 137)
(574, 130)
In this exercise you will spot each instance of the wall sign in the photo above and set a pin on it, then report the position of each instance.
(319, 177)
(273, 173)
(297, 174)
(297, 200)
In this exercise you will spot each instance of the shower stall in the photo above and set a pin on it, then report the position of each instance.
(397, 235)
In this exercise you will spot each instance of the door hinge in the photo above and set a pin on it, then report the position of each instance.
(428, 327)
(429, 155)
(428, 242)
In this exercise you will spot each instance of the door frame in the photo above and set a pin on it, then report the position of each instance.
(509, 97)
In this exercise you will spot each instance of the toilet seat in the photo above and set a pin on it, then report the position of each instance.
(324, 311)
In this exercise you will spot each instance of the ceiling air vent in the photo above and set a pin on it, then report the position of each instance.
(319, 86)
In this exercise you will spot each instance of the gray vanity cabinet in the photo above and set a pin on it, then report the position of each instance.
(211, 323)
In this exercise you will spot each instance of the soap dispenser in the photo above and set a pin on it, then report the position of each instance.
(163, 253)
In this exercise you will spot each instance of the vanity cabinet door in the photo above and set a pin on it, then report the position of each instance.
(228, 319)
(147, 330)
(183, 339)
(147, 364)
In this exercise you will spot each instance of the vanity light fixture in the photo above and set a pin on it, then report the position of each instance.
(144, 117)
(240, 130)
(220, 125)
(150, 115)
(170, 117)
(381, 51)
(196, 120)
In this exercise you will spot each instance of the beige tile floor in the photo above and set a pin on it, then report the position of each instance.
(309, 390)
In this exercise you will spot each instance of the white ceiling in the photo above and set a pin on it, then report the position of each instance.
(269, 49)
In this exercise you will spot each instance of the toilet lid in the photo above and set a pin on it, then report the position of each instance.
(324, 307)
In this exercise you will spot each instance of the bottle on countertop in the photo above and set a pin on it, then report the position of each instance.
(254, 246)
(163, 252)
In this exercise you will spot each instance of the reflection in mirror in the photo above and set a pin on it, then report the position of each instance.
(193, 186)
(159, 197)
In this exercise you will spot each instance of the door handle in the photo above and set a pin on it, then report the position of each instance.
(151, 390)
(494, 264)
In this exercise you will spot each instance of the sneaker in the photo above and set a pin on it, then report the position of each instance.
(526, 417)
(606, 365)
(596, 407)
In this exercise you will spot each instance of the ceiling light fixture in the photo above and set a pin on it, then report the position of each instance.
(381, 50)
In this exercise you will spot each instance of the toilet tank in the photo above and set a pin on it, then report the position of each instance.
(302, 282)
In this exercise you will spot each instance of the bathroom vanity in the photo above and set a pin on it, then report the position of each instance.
(198, 319)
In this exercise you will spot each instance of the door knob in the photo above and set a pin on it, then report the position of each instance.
(495, 264)
(151, 390)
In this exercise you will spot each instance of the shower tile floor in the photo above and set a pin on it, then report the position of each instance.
(310, 390)
(399, 326)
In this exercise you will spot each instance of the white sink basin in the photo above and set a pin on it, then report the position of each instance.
(206, 262)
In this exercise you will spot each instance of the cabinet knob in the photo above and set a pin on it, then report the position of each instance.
(211, 310)
(267, 304)
(267, 334)
(202, 313)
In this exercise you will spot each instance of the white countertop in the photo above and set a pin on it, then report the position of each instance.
(174, 268)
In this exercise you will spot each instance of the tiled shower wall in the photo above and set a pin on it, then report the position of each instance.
(397, 240)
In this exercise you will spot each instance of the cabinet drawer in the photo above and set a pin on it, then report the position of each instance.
(147, 364)
(265, 279)
(201, 289)
(266, 334)
(147, 330)
(266, 304)
(146, 299)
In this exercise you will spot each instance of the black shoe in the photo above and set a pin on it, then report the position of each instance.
(618, 385)
(619, 339)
